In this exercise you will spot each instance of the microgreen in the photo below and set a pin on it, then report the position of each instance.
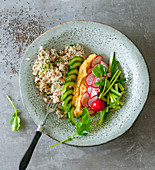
(15, 121)
(99, 71)
(82, 127)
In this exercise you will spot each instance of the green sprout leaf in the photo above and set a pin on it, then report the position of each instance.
(82, 127)
(15, 121)
(98, 70)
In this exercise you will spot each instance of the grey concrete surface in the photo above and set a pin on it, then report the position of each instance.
(23, 21)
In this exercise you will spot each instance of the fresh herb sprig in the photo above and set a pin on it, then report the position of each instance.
(15, 121)
(99, 71)
(82, 127)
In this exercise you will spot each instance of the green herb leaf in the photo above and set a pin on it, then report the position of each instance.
(84, 126)
(98, 70)
(15, 123)
(97, 83)
(14, 114)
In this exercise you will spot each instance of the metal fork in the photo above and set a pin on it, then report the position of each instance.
(26, 158)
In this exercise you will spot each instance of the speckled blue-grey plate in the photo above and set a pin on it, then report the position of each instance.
(102, 39)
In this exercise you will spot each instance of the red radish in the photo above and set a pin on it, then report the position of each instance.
(97, 105)
(94, 92)
(91, 112)
(89, 70)
(96, 60)
(84, 99)
(104, 64)
(89, 89)
(90, 101)
(90, 78)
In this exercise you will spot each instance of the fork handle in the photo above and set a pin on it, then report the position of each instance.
(26, 158)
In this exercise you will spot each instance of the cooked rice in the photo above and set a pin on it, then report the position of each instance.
(50, 70)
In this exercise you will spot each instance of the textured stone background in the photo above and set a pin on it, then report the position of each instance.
(23, 21)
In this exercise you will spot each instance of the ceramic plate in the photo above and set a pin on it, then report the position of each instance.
(102, 39)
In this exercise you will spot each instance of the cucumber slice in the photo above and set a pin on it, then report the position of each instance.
(66, 93)
(68, 83)
(75, 64)
(65, 102)
(76, 58)
(69, 105)
(71, 77)
(71, 116)
(73, 71)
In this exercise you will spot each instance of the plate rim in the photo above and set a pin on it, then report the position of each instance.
(97, 22)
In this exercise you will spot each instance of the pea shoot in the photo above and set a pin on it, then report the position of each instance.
(15, 121)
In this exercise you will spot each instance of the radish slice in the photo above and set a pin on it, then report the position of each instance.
(89, 70)
(90, 101)
(90, 78)
(94, 92)
(104, 64)
(89, 89)
(96, 79)
(91, 112)
(84, 99)
(96, 60)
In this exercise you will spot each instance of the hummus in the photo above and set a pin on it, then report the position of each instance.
(81, 86)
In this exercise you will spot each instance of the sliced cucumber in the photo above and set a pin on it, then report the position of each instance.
(65, 102)
(71, 77)
(66, 93)
(71, 116)
(73, 71)
(69, 105)
(76, 58)
(75, 64)
(68, 83)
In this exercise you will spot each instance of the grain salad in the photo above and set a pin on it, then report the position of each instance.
(50, 70)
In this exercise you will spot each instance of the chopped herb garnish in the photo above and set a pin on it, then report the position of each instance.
(56, 80)
(57, 62)
(61, 58)
(48, 85)
(49, 66)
